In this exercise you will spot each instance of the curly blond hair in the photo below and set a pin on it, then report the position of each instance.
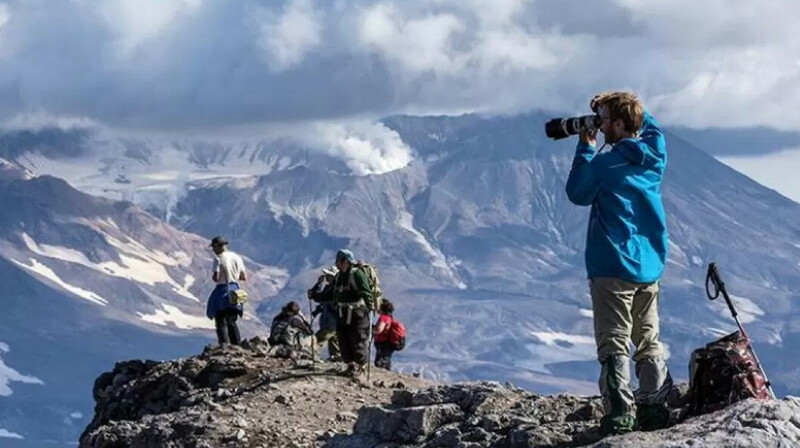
(624, 106)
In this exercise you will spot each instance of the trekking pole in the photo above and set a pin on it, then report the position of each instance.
(369, 347)
(715, 280)
(311, 328)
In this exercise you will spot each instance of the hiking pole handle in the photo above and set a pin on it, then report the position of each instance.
(719, 286)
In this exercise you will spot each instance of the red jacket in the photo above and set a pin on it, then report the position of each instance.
(383, 336)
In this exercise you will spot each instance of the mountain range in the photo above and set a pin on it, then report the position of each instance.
(103, 254)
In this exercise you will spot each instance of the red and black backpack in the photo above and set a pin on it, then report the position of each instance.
(397, 334)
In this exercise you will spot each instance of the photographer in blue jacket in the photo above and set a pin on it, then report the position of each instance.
(626, 250)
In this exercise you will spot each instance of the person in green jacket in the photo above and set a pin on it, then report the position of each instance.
(352, 296)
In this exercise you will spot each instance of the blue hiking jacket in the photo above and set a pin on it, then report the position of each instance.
(627, 235)
(219, 300)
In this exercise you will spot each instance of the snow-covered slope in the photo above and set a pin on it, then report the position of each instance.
(85, 281)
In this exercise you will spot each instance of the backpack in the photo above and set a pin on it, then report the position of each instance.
(374, 283)
(397, 334)
(283, 332)
(278, 329)
(238, 297)
(724, 372)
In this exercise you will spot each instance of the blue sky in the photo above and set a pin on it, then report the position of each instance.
(215, 66)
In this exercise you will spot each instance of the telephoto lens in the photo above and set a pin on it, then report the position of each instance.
(559, 128)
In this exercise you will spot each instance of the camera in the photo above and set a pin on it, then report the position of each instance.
(559, 128)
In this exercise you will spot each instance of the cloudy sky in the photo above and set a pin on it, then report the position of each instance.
(198, 63)
(206, 65)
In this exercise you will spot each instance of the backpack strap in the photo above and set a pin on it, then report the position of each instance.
(351, 280)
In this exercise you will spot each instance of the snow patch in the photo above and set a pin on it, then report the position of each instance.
(558, 348)
(7, 375)
(9, 435)
(49, 274)
(136, 248)
(673, 262)
(171, 314)
(723, 214)
(747, 309)
(775, 337)
(438, 259)
(675, 249)
(552, 338)
(717, 332)
(188, 281)
(139, 263)
(280, 210)
(697, 261)
(167, 170)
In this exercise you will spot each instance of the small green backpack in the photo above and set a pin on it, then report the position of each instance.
(374, 283)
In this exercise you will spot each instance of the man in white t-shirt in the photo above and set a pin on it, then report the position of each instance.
(228, 266)
(227, 270)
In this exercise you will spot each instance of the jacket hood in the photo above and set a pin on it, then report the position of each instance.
(637, 152)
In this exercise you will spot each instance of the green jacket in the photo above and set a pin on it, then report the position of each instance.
(352, 286)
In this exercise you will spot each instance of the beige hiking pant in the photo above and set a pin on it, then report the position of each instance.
(626, 312)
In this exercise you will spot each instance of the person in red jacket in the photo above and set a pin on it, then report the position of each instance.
(383, 347)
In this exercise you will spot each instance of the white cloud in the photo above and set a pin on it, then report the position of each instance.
(461, 41)
(5, 14)
(417, 44)
(289, 36)
(137, 21)
(41, 119)
(366, 147)
(188, 65)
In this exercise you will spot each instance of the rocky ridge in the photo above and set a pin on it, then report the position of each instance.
(245, 397)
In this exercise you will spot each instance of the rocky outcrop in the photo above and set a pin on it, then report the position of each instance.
(243, 397)
(236, 396)
(482, 415)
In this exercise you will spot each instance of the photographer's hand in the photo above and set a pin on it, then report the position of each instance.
(589, 138)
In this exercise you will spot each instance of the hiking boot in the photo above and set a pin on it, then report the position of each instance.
(358, 371)
(349, 370)
(651, 417)
(612, 426)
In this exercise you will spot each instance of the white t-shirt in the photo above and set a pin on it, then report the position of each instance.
(228, 266)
